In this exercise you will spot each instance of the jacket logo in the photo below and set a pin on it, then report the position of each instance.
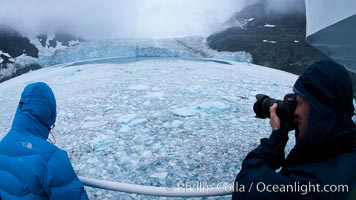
(26, 144)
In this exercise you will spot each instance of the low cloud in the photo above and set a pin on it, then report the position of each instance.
(118, 18)
(121, 18)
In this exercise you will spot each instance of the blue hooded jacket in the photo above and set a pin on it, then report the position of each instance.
(324, 160)
(31, 167)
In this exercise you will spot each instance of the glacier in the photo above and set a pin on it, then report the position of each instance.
(187, 47)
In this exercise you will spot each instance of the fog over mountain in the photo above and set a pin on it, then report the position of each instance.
(283, 6)
(119, 18)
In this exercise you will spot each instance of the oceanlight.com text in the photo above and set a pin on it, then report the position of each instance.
(302, 188)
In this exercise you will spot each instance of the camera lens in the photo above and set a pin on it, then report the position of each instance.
(262, 105)
(285, 108)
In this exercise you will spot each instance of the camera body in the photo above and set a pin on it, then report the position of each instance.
(285, 109)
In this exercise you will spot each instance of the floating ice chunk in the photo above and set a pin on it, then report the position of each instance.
(138, 87)
(158, 95)
(127, 71)
(146, 103)
(131, 120)
(166, 71)
(176, 124)
(147, 154)
(137, 121)
(186, 112)
(160, 175)
(125, 119)
(155, 89)
(212, 106)
(103, 142)
(124, 129)
(70, 115)
(109, 109)
(93, 124)
(92, 171)
(110, 132)
(173, 124)
(204, 107)
(93, 160)
(124, 158)
(195, 89)
(71, 73)
(172, 164)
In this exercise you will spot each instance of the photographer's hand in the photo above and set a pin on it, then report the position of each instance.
(274, 121)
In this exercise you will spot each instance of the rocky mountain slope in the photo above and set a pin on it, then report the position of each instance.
(18, 55)
(274, 39)
(14, 44)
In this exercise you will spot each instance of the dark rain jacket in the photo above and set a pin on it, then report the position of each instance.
(322, 165)
(30, 167)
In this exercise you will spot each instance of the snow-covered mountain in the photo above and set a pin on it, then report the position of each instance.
(17, 54)
(156, 121)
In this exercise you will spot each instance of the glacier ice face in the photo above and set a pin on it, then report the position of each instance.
(189, 47)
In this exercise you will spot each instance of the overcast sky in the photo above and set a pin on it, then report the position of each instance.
(123, 18)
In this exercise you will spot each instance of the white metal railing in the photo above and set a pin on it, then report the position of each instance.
(155, 191)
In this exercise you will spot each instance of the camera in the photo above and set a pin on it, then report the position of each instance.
(285, 109)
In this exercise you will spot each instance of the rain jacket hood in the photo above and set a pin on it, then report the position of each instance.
(323, 157)
(327, 87)
(31, 167)
(36, 111)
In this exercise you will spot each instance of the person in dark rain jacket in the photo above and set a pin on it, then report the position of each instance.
(322, 164)
(30, 167)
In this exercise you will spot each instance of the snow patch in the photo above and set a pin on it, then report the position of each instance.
(268, 41)
(269, 25)
(26, 60)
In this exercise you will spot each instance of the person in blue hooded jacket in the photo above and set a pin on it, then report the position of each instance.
(322, 164)
(30, 166)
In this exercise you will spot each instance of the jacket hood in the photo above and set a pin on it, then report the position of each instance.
(36, 111)
(327, 87)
